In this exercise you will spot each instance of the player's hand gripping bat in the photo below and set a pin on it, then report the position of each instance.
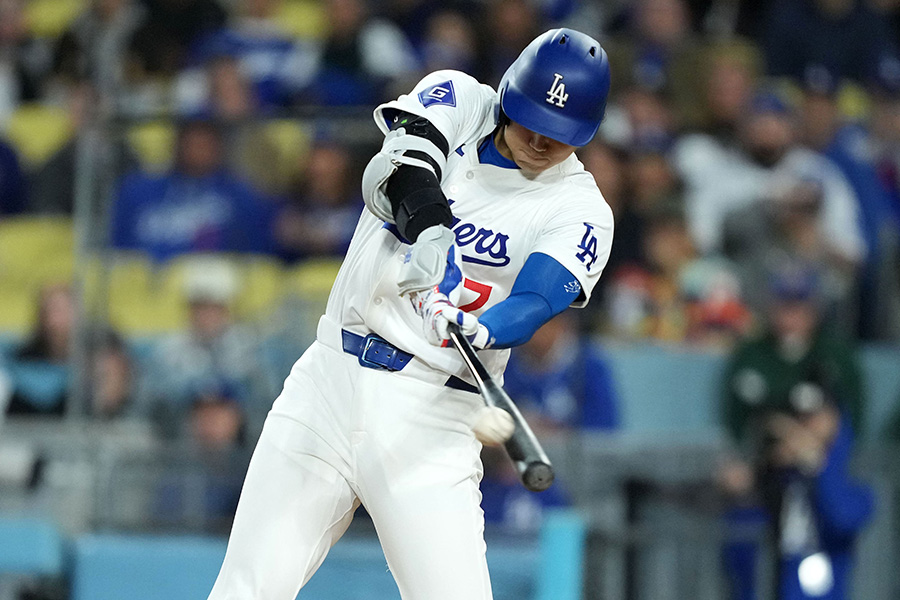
(523, 447)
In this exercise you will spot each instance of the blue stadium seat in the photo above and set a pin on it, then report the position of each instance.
(30, 546)
(563, 541)
(113, 567)
(655, 403)
(42, 384)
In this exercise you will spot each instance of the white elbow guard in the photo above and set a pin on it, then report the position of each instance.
(387, 161)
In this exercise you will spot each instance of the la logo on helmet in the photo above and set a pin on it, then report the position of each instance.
(557, 95)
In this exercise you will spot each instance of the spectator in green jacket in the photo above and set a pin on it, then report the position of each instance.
(793, 402)
(795, 349)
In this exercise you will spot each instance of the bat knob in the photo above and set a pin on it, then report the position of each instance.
(537, 476)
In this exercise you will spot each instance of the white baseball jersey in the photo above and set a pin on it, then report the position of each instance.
(501, 216)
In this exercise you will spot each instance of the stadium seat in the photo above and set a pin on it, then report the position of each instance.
(51, 18)
(113, 567)
(304, 19)
(30, 546)
(144, 299)
(147, 299)
(34, 252)
(854, 102)
(40, 384)
(37, 248)
(37, 132)
(312, 279)
(18, 311)
(289, 142)
(261, 287)
(563, 542)
(153, 143)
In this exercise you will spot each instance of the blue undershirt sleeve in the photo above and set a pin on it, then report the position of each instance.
(543, 289)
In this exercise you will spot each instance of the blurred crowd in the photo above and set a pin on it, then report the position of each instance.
(750, 154)
(724, 153)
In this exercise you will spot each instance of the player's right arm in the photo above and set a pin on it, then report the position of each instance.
(402, 182)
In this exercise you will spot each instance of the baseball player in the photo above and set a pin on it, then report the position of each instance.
(479, 213)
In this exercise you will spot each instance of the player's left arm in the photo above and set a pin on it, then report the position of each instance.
(543, 289)
(561, 271)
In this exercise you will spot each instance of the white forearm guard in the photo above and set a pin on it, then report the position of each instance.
(427, 261)
(387, 161)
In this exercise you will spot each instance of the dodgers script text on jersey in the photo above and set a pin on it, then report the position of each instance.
(500, 218)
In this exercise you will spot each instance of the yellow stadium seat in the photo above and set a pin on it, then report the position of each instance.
(17, 311)
(312, 279)
(305, 19)
(854, 102)
(290, 141)
(305, 297)
(147, 299)
(153, 143)
(143, 301)
(34, 252)
(261, 288)
(51, 18)
(37, 132)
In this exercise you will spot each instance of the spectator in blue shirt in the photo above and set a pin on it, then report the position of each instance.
(810, 503)
(199, 206)
(12, 182)
(277, 65)
(321, 211)
(562, 383)
(850, 148)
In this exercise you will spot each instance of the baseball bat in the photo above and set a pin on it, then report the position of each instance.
(523, 447)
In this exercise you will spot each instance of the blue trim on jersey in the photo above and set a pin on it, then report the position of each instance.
(460, 150)
(543, 289)
(393, 229)
(489, 155)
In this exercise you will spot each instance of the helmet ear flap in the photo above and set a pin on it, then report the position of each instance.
(502, 119)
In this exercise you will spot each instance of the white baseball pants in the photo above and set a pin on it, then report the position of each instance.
(340, 434)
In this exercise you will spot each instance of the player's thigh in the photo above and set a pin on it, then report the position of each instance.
(294, 506)
(420, 482)
(433, 540)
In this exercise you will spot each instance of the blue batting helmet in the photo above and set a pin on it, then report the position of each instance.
(558, 86)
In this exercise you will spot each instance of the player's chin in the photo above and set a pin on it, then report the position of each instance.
(533, 165)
